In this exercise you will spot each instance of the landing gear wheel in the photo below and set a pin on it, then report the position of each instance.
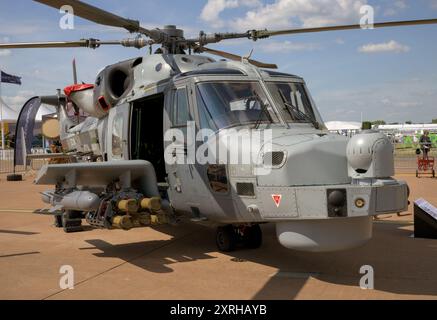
(14, 177)
(433, 173)
(253, 237)
(226, 239)
(417, 173)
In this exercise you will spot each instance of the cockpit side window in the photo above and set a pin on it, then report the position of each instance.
(291, 97)
(205, 117)
(181, 113)
(117, 137)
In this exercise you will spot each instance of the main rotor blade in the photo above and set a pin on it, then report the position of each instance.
(235, 57)
(88, 43)
(204, 39)
(97, 15)
(259, 34)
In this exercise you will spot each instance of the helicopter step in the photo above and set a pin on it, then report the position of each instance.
(199, 219)
(197, 216)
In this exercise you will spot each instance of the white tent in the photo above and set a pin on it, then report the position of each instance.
(7, 114)
(408, 128)
(44, 110)
(10, 115)
(343, 125)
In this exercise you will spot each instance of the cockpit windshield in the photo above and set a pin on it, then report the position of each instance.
(292, 101)
(227, 104)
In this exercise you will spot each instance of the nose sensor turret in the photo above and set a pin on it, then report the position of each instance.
(370, 155)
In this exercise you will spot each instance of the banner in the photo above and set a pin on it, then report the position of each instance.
(26, 124)
(7, 78)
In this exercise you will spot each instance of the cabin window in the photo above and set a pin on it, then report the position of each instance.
(117, 137)
(181, 113)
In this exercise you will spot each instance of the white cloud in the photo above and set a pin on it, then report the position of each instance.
(391, 46)
(212, 10)
(396, 7)
(340, 41)
(23, 28)
(288, 13)
(287, 46)
(5, 53)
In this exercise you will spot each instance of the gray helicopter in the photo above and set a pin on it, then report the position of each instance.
(230, 143)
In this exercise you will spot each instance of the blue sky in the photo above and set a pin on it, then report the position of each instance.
(388, 74)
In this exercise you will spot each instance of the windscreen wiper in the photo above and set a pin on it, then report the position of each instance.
(264, 110)
(303, 116)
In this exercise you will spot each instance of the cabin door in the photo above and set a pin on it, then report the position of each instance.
(180, 172)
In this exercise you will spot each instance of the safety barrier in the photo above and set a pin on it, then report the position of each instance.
(406, 160)
(7, 161)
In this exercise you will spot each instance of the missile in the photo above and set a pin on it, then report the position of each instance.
(152, 204)
(122, 222)
(129, 205)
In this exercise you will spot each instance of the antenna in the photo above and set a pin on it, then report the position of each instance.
(74, 71)
(246, 59)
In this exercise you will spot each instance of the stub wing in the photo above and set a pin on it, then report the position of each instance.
(139, 174)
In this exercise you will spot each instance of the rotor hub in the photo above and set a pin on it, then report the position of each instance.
(173, 32)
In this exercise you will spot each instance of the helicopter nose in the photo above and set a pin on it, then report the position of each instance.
(314, 160)
(301, 168)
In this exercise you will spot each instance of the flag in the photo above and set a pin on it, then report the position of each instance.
(25, 123)
(7, 78)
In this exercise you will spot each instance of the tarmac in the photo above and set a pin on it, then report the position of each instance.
(182, 262)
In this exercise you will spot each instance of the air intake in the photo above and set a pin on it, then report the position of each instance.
(274, 159)
(245, 189)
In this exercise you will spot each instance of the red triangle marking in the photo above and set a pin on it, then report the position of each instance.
(277, 199)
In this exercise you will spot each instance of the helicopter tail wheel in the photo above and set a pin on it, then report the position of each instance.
(253, 237)
(226, 238)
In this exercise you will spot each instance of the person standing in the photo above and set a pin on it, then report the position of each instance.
(425, 144)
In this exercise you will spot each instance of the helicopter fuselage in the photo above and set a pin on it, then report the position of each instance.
(233, 144)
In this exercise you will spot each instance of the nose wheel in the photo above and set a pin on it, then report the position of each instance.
(229, 237)
(253, 237)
